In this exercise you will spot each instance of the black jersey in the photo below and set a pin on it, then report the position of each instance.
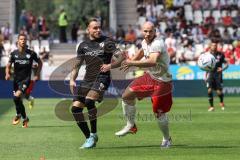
(214, 78)
(23, 64)
(220, 60)
(95, 53)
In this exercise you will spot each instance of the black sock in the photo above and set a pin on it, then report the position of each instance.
(78, 116)
(92, 113)
(210, 99)
(20, 107)
(23, 113)
(221, 97)
(17, 106)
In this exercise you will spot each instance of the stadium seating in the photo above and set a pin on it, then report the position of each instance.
(198, 17)
(206, 13)
(217, 15)
(45, 44)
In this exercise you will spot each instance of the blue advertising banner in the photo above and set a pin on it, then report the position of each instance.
(59, 89)
(186, 72)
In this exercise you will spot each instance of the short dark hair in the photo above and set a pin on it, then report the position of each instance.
(22, 34)
(92, 20)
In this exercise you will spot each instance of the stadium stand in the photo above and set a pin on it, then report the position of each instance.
(192, 24)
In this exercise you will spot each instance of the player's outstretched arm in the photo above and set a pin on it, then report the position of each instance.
(117, 59)
(149, 62)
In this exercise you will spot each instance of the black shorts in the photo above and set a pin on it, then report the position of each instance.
(21, 85)
(214, 81)
(100, 85)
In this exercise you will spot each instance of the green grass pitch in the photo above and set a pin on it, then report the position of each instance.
(196, 133)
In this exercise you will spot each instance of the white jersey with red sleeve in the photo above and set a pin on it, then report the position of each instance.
(161, 70)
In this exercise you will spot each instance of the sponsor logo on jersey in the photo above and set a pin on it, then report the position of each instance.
(94, 53)
(22, 61)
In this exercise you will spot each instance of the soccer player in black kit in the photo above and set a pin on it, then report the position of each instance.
(95, 51)
(214, 79)
(22, 58)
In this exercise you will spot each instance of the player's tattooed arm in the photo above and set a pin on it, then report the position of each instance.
(137, 57)
(117, 59)
(74, 73)
(150, 61)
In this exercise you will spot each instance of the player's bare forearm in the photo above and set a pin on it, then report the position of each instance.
(151, 61)
(108, 67)
(74, 74)
(142, 63)
(7, 71)
(8, 68)
(75, 70)
(117, 60)
(39, 68)
(117, 63)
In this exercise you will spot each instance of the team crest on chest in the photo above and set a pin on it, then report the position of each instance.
(101, 44)
(86, 47)
(28, 56)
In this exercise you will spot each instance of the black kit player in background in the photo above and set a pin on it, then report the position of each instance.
(214, 79)
(95, 51)
(22, 58)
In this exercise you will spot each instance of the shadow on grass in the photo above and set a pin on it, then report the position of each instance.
(211, 146)
(182, 146)
(57, 126)
(129, 147)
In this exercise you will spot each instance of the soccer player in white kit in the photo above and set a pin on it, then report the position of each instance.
(155, 83)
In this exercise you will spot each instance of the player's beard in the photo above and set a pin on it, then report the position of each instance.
(22, 47)
(149, 39)
(94, 36)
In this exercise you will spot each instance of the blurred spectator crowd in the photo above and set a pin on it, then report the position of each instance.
(187, 26)
(37, 33)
